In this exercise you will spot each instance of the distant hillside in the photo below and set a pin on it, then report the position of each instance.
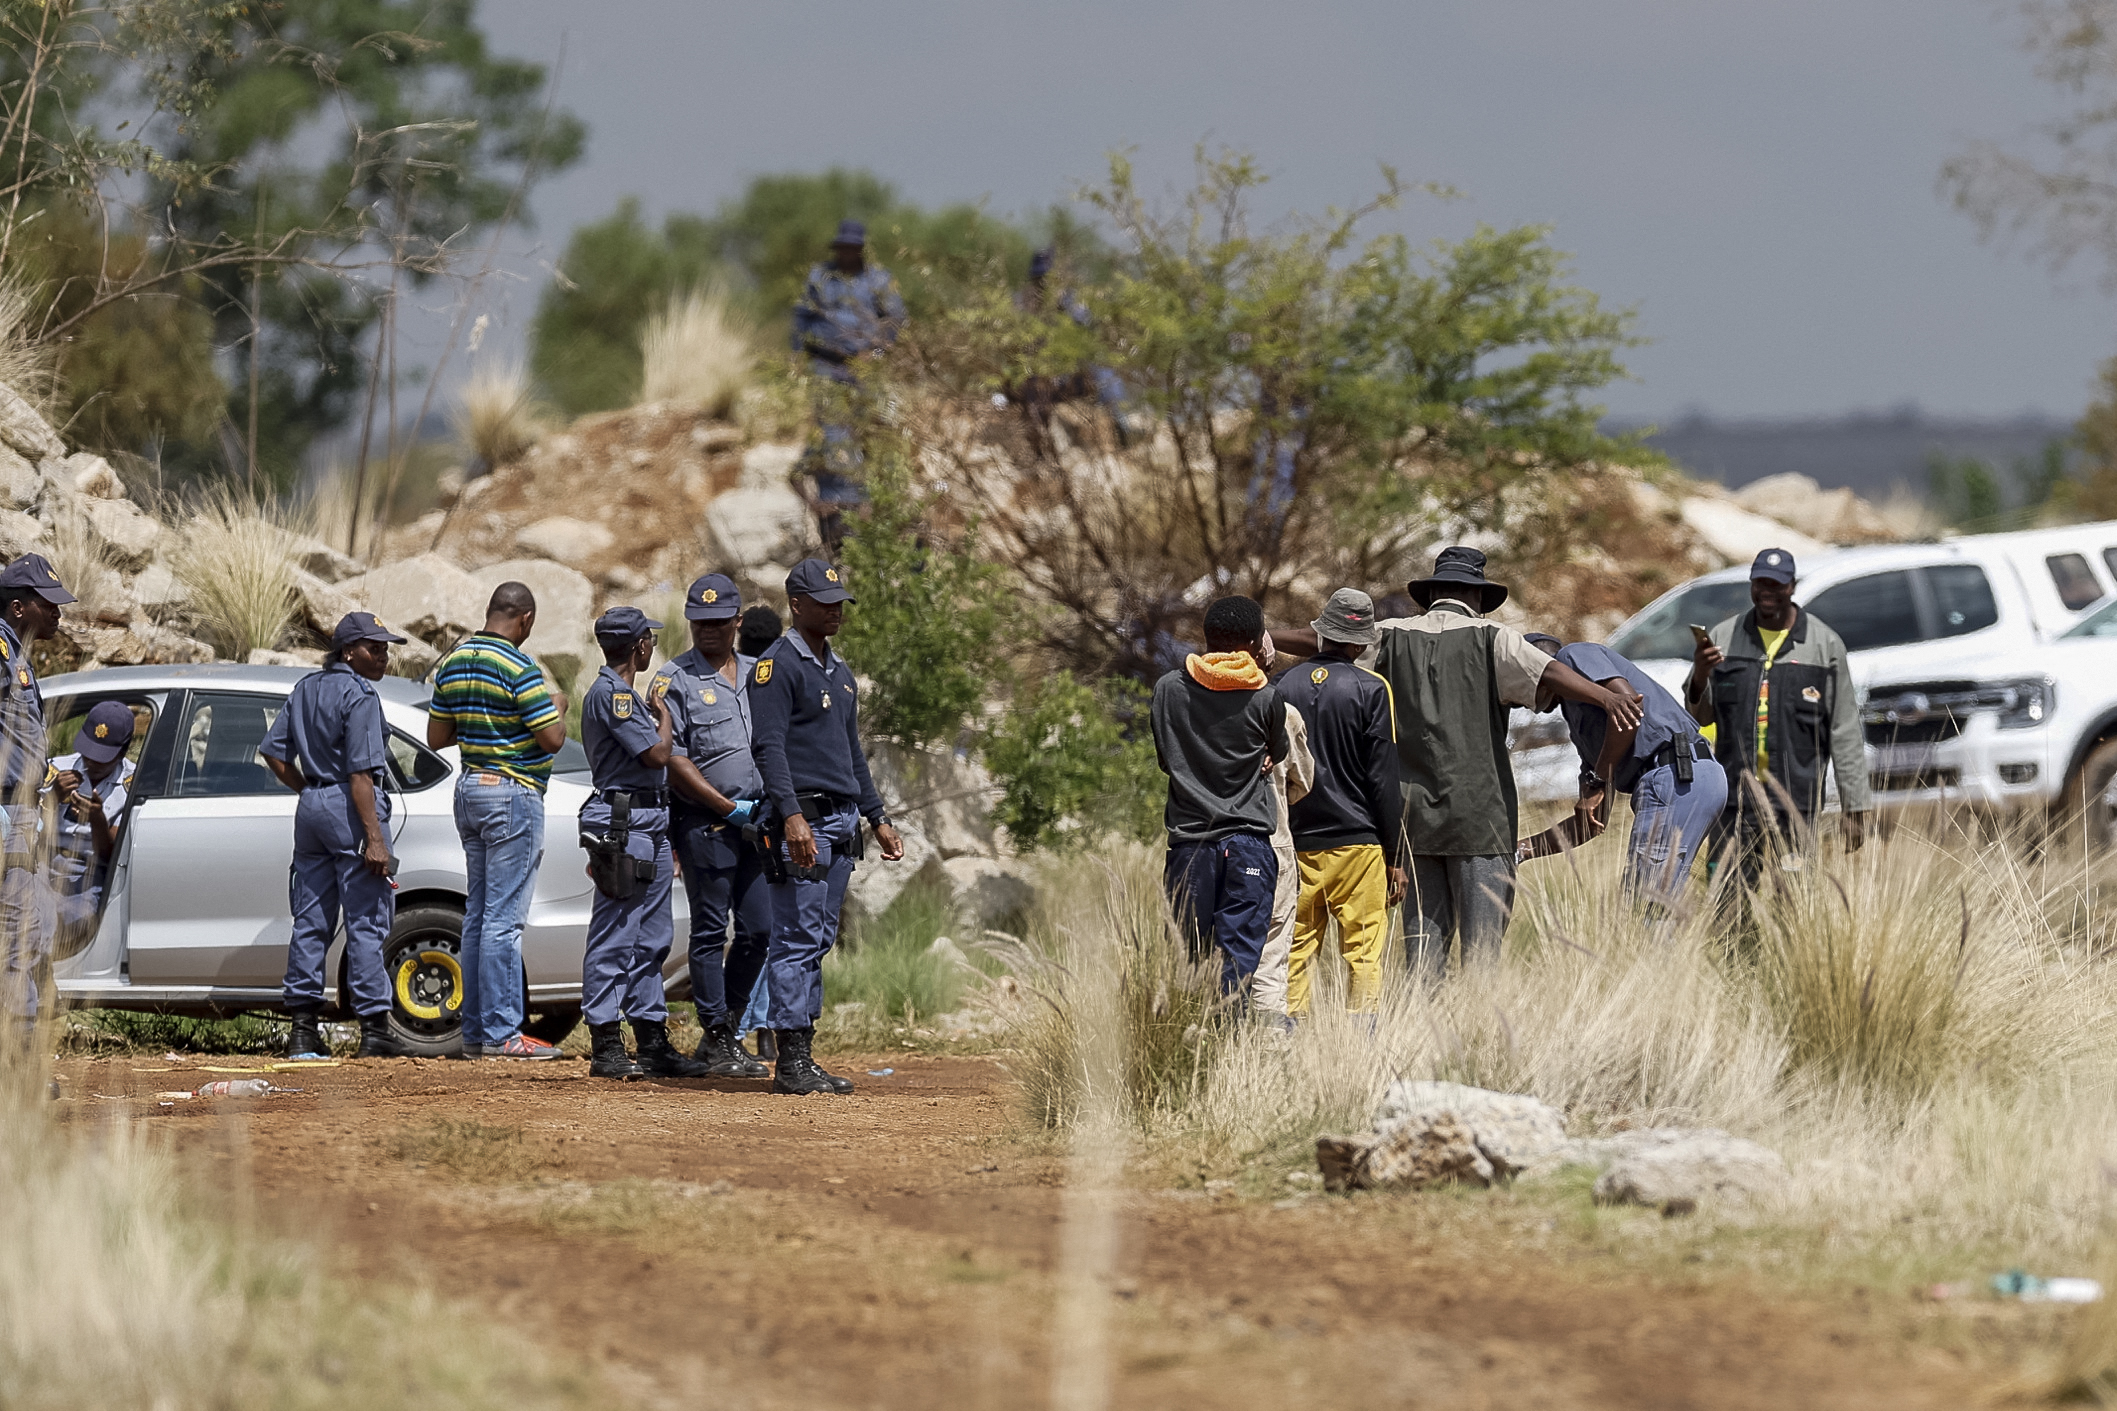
(1870, 453)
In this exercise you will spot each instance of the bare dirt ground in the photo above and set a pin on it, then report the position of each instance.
(712, 1244)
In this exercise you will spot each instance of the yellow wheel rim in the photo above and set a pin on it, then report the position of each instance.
(409, 968)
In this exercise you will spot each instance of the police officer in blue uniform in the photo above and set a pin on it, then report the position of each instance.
(629, 736)
(805, 733)
(714, 794)
(329, 746)
(30, 598)
(849, 310)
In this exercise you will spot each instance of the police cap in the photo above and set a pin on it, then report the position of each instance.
(360, 627)
(623, 625)
(34, 572)
(815, 579)
(106, 732)
(713, 598)
(851, 232)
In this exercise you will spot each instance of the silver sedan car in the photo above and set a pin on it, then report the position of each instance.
(195, 918)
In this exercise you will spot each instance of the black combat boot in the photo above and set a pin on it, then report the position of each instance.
(767, 1046)
(306, 1040)
(376, 1040)
(798, 1073)
(607, 1057)
(658, 1057)
(723, 1056)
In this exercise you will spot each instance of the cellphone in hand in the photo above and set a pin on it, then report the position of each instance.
(1700, 636)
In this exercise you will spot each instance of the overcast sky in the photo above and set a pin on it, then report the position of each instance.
(1758, 180)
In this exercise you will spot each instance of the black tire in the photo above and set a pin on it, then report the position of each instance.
(422, 961)
(2083, 805)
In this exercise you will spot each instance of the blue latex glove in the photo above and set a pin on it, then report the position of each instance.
(742, 815)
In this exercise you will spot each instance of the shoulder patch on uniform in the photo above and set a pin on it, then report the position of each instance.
(3, 649)
(1320, 675)
(621, 704)
(661, 685)
(764, 671)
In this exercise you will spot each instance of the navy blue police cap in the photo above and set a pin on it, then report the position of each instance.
(1774, 564)
(713, 598)
(815, 579)
(34, 572)
(106, 732)
(360, 627)
(623, 625)
(851, 232)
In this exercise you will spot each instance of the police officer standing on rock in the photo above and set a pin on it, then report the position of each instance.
(328, 746)
(805, 733)
(625, 830)
(30, 598)
(714, 797)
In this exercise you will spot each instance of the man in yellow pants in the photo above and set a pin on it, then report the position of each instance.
(1346, 829)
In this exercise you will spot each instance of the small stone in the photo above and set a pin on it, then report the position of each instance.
(1669, 1166)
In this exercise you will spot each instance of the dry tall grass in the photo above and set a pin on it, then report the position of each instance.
(1941, 1092)
(26, 365)
(236, 557)
(497, 417)
(698, 353)
(78, 557)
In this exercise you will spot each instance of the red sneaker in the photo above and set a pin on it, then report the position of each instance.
(523, 1046)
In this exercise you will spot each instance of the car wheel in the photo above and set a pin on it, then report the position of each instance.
(423, 962)
(2086, 797)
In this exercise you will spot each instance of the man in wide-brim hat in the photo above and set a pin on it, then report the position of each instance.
(1453, 673)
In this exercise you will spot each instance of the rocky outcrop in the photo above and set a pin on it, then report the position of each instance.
(1831, 516)
(564, 539)
(1430, 1133)
(426, 597)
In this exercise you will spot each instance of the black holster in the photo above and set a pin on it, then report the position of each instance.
(617, 874)
(776, 867)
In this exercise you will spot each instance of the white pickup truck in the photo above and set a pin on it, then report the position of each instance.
(1987, 663)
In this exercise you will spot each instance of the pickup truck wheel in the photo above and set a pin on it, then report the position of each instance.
(422, 962)
(2084, 796)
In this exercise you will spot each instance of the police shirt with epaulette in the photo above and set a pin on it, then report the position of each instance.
(617, 727)
(22, 758)
(710, 720)
(332, 727)
(805, 728)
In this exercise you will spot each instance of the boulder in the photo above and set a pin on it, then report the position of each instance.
(19, 532)
(320, 604)
(876, 883)
(1426, 1133)
(426, 597)
(951, 799)
(1737, 535)
(125, 534)
(564, 539)
(260, 656)
(24, 429)
(1833, 516)
(94, 478)
(315, 556)
(564, 636)
(19, 480)
(157, 589)
(757, 526)
(770, 467)
(413, 660)
(1674, 1169)
(141, 642)
(988, 890)
(55, 489)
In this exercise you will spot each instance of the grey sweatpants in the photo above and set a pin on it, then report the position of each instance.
(1470, 895)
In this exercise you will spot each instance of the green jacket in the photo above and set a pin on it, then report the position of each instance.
(1814, 721)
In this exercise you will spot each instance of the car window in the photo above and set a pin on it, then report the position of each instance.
(412, 766)
(1665, 631)
(216, 750)
(1962, 598)
(2074, 580)
(1878, 610)
(2102, 622)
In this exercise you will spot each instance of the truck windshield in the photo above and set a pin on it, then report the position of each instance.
(2100, 623)
(1664, 632)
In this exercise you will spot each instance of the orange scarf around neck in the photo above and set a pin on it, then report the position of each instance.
(1225, 671)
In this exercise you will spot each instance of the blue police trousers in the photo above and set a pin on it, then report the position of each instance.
(27, 938)
(1222, 893)
(722, 976)
(329, 877)
(805, 924)
(621, 970)
(1669, 823)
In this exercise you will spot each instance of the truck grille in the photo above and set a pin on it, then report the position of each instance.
(1918, 712)
(1904, 781)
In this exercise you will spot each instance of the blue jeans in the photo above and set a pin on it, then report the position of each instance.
(1669, 824)
(501, 823)
(1221, 893)
(805, 924)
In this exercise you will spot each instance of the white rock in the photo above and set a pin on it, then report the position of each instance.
(126, 535)
(721, 437)
(988, 890)
(757, 526)
(322, 604)
(1409, 1156)
(426, 597)
(19, 480)
(1737, 535)
(157, 588)
(1682, 1166)
(564, 635)
(951, 799)
(564, 539)
(877, 883)
(19, 532)
(413, 659)
(24, 429)
(55, 490)
(162, 644)
(1512, 1130)
(94, 477)
(261, 656)
(770, 466)
(1833, 516)
(315, 556)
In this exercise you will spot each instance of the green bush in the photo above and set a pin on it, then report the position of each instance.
(1065, 750)
(126, 1030)
(888, 964)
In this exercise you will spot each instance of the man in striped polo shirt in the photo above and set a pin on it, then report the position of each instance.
(490, 701)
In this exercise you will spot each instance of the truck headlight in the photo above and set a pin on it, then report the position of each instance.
(2024, 704)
